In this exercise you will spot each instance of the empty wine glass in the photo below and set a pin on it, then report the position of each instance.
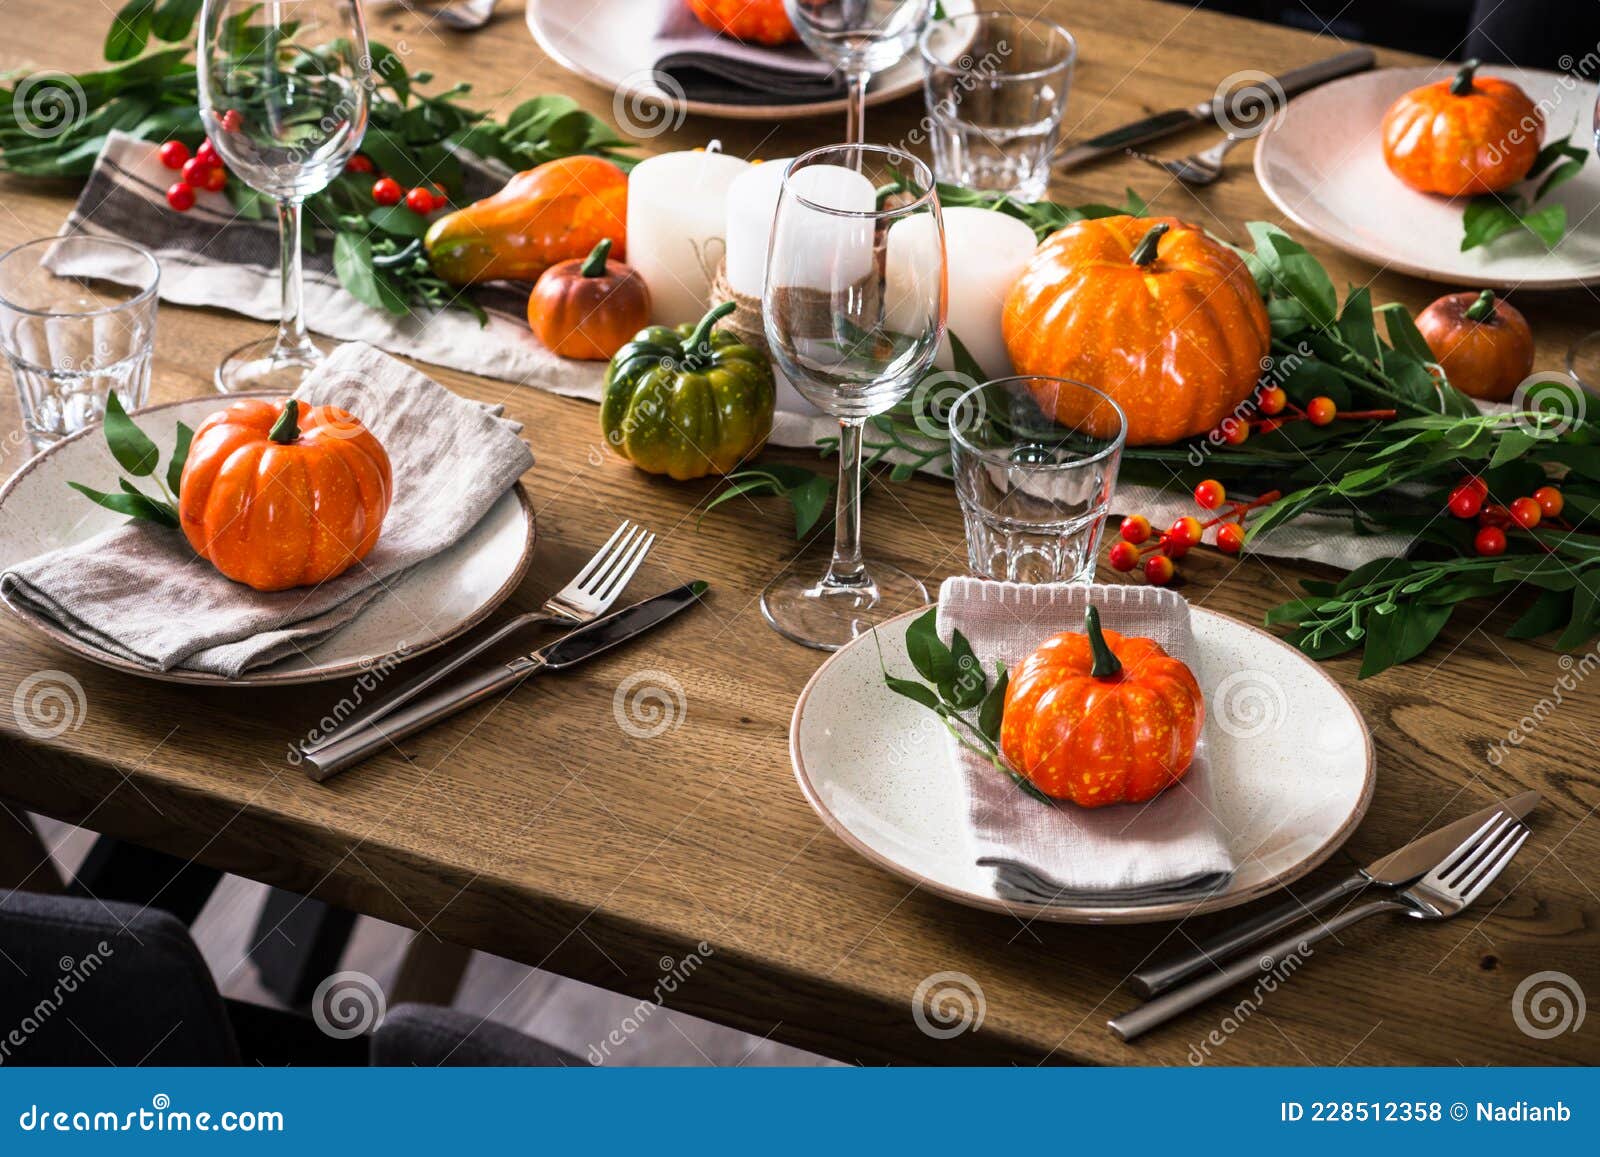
(859, 38)
(283, 97)
(1583, 357)
(854, 310)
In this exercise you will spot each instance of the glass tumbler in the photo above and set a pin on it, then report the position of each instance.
(1035, 462)
(996, 88)
(77, 320)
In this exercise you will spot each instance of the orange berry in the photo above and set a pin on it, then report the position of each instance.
(1525, 512)
(1490, 541)
(1210, 494)
(1230, 538)
(1123, 556)
(1321, 411)
(1272, 401)
(1135, 529)
(1159, 569)
(1551, 501)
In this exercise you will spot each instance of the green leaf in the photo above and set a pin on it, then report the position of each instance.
(387, 68)
(927, 652)
(174, 20)
(911, 689)
(1404, 334)
(992, 710)
(1549, 223)
(966, 684)
(810, 502)
(1585, 615)
(352, 261)
(180, 455)
(1550, 610)
(130, 30)
(1357, 325)
(399, 221)
(134, 505)
(130, 446)
(1401, 636)
(1563, 173)
(1486, 219)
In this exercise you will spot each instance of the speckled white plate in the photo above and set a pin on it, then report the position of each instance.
(1291, 763)
(1321, 162)
(458, 587)
(610, 42)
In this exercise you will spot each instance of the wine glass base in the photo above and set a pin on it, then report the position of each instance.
(803, 609)
(252, 368)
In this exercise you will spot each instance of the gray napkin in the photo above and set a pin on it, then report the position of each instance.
(138, 591)
(706, 66)
(1167, 849)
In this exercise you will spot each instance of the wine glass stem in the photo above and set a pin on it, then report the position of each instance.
(292, 345)
(847, 568)
(856, 103)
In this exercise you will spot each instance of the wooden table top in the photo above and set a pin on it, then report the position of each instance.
(539, 830)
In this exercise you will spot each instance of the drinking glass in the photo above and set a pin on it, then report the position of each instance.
(859, 38)
(854, 310)
(283, 96)
(1035, 463)
(72, 334)
(1583, 357)
(996, 88)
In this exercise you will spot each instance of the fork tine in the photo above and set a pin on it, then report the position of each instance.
(619, 580)
(1493, 870)
(601, 579)
(1487, 847)
(1467, 845)
(599, 556)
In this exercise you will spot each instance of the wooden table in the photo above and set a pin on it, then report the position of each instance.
(540, 831)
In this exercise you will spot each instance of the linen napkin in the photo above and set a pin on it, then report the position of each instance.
(706, 66)
(1169, 848)
(139, 591)
(211, 257)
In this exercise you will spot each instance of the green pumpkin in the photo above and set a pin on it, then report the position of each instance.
(689, 401)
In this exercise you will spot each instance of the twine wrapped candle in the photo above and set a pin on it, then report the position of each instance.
(677, 214)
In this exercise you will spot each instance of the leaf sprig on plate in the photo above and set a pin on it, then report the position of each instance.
(136, 453)
(1494, 215)
(954, 686)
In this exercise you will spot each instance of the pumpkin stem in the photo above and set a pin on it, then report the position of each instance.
(1483, 308)
(1462, 84)
(1145, 252)
(287, 428)
(1106, 663)
(697, 349)
(595, 264)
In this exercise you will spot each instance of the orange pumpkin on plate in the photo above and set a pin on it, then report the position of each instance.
(757, 21)
(1484, 345)
(276, 496)
(1100, 718)
(1153, 312)
(1470, 135)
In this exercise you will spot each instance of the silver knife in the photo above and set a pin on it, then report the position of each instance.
(1396, 870)
(1164, 124)
(342, 751)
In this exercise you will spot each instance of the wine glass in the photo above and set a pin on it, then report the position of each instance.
(1583, 357)
(284, 86)
(854, 310)
(859, 38)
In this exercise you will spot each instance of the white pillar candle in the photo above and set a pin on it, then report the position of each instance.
(824, 249)
(677, 212)
(752, 203)
(912, 270)
(986, 251)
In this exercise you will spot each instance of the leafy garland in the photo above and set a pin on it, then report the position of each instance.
(412, 136)
(1381, 475)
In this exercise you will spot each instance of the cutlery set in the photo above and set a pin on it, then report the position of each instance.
(1431, 878)
(425, 699)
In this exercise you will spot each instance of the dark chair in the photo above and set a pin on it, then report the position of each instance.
(425, 1034)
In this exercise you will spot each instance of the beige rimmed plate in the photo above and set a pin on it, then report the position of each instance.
(1291, 763)
(611, 42)
(1321, 162)
(459, 587)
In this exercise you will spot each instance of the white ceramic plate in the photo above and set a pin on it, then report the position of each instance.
(1321, 162)
(1292, 775)
(460, 586)
(610, 42)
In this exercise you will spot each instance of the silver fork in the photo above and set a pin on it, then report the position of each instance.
(1202, 168)
(588, 596)
(1460, 878)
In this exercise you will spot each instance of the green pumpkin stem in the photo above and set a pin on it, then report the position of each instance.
(595, 264)
(1106, 663)
(1483, 308)
(1145, 252)
(1462, 84)
(697, 348)
(287, 428)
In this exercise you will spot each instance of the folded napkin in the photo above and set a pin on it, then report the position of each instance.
(138, 591)
(1170, 848)
(705, 66)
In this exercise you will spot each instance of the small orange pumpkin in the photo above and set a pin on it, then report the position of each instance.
(590, 308)
(756, 21)
(1484, 345)
(1470, 135)
(1155, 313)
(276, 496)
(1100, 718)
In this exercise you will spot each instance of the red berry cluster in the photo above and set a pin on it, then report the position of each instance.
(1274, 410)
(1470, 499)
(1158, 558)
